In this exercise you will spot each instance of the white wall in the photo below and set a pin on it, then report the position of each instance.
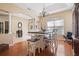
(15, 20)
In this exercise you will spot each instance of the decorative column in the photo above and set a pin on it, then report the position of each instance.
(10, 23)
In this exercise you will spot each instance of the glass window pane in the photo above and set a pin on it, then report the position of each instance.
(59, 26)
(59, 23)
(50, 23)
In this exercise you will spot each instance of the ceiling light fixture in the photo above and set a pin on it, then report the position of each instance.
(43, 13)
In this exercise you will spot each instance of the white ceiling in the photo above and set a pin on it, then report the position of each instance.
(37, 8)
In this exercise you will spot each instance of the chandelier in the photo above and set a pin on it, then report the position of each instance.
(43, 13)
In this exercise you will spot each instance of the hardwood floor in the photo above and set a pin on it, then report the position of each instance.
(68, 49)
(20, 49)
(65, 49)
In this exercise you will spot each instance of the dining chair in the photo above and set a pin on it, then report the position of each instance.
(54, 43)
(31, 48)
(42, 43)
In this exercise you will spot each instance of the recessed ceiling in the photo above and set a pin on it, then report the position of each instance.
(37, 8)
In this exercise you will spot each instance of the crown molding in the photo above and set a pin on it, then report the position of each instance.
(21, 15)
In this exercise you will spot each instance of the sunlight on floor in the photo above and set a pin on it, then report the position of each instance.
(60, 50)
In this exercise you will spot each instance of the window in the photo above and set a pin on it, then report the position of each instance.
(57, 25)
(6, 27)
(1, 27)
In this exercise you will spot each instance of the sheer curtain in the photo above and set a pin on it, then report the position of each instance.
(57, 25)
